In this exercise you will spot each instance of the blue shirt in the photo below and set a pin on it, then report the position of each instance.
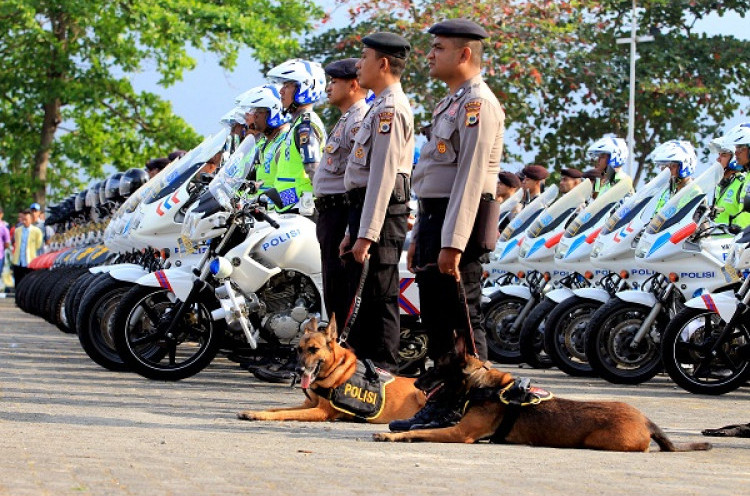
(24, 238)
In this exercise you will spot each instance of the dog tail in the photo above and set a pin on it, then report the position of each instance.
(666, 445)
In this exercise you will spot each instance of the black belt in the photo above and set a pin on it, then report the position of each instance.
(356, 197)
(327, 202)
(433, 205)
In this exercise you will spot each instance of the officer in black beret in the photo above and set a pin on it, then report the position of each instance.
(533, 182)
(377, 187)
(455, 177)
(155, 165)
(569, 179)
(344, 93)
(507, 184)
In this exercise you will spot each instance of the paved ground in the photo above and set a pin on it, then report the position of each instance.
(68, 426)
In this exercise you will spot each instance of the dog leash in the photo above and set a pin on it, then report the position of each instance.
(356, 303)
(469, 328)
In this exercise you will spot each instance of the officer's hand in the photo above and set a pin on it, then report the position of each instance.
(410, 256)
(448, 262)
(344, 246)
(361, 249)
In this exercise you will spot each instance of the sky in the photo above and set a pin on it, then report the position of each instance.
(208, 92)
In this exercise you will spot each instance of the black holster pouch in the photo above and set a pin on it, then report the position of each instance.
(398, 204)
(484, 234)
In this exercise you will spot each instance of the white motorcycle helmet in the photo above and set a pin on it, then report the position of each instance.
(721, 145)
(268, 97)
(234, 116)
(739, 135)
(679, 151)
(617, 149)
(309, 76)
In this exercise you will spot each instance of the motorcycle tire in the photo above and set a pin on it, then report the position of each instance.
(609, 334)
(531, 339)
(73, 298)
(56, 300)
(565, 335)
(94, 322)
(498, 316)
(139, 320)
(684, 345)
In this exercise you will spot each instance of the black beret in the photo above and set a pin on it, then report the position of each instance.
(573, 173)
(176, 154)
(459, 28)
(388, 43)
(509, 179)
(342, 69)
(535, 172)
(592, 174)
(157, 163)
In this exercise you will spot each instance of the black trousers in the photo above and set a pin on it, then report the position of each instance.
(330, 229)
(441, 309)
(376, 332)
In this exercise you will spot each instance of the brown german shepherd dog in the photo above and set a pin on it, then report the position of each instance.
(556, 423)
(326, 364)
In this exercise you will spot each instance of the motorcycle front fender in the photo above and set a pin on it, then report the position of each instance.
(559, 294)
(597, 294)
(725, 304)
(127, 272)
(516, 290)
(639, 297)
(178, 281)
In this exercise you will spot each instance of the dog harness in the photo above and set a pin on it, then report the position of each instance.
(515, 396)
(362, 395)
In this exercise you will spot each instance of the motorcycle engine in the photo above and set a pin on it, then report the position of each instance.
(290, 298)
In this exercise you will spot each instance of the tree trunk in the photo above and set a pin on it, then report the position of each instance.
(52, 120)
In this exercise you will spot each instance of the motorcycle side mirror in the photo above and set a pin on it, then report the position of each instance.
(746, 203)
(275, 197)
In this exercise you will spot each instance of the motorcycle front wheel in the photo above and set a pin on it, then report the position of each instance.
(498, 318)
(141, 321)
(531, 339)
(565, 335)
(686, 352)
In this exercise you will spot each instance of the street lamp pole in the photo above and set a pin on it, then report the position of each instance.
(633, 40)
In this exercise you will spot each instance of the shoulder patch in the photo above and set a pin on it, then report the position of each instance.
(472, 113)
(384, 122)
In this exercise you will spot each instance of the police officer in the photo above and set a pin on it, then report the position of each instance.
(569, 179)
(345, 93)
(377, 184)
(156, 165)
(533, 182)
(457, 171)
(264, 114)
(507, 184)
(730, 192)
(609, 154)
(302, 85)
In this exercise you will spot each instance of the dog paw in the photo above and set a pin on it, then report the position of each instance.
(383, 437)
(248, 415)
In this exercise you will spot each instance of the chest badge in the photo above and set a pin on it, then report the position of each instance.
(441, 147)
(359, 152)
(329, 148)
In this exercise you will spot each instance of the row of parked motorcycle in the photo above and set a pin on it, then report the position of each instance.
(160, 279)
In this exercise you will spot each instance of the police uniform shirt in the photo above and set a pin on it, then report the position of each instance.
(329, 178)
(383, 147)
(462, 158)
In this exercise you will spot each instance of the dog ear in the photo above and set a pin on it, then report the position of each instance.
(332, 331)
(460, 347)
(312, 325)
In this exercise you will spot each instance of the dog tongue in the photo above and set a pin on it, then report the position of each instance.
(305, 381)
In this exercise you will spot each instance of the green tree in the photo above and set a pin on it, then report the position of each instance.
(66, 100)
(561, 77)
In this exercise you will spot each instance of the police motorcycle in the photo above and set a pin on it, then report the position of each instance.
(144, 232)
(494, 272)
(556, 326)
(684, 251)
(502, 302)
(260, 277)
(706, 347)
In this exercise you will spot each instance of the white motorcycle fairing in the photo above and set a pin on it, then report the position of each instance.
(640, 297)
(559, 294)
(516, 290)
(178, 280)
(725, 304)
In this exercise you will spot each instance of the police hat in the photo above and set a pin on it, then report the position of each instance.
(509, 179)
(388, 43)
(459, 28)
(535, 172)
(342, 69)
(592, 174)
(176, 154)
(157, 163)
(572, 173)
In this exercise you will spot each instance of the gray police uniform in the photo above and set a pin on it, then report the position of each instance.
(333, 209)
(376, 180)
(457, 166)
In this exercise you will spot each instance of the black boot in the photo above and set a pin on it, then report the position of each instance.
(740, 430)
(433, 415)
(283, 371)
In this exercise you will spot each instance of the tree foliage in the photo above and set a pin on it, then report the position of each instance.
(561, 77)
(66, 100)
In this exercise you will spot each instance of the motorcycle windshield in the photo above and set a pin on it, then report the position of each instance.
(635, 204)
(231, 179)
(595, 212)
(560, 210)
(183, 169)
(683, 203)
(510, 203)
(521, 221)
